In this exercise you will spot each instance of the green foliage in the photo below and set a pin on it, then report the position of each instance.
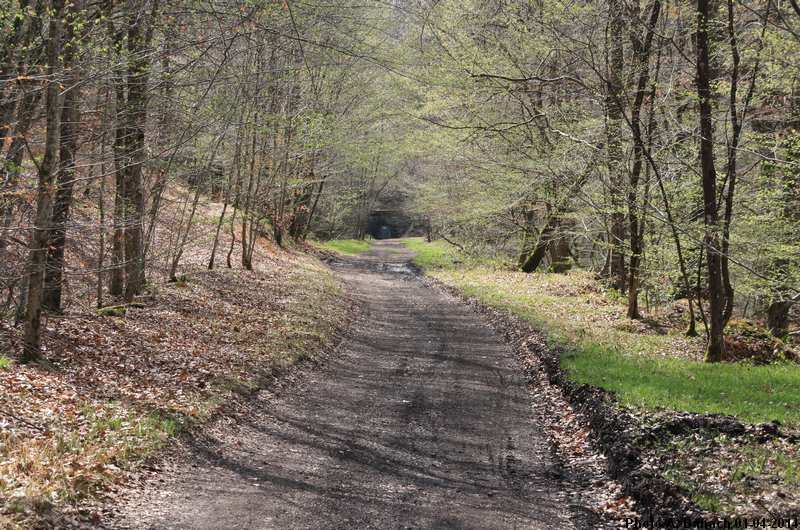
(751, 393)
(649, 368)
(349, 247)
(113, 311)
(433, 255)
(443, 256)
(5, 362)
(757, 460)
(511, 131)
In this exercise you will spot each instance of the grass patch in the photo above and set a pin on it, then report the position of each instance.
(113, 311)
(751, 393)
(734, 476)
(434, 255)
(349, 247)
(69, 465)
(5, 363)
(653, 366)
(440, 255)
(759, 461)
(646, 366)
(701, 496)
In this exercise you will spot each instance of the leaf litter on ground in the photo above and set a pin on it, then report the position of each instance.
(117, 388)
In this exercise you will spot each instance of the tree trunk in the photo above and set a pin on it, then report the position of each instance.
(233, 239)
(527, 246)
(530, 263)
(101, 247)
(47, 171)
(121, 138)
(642, 51)
(13, 64)
(560, 256)
(230, 187)
(313, 211)
(13, 162)
(117, 280)
(716, 343)
(737, 121)
(778, 317)
(731, 175)
(139, 33)
(247, 214)
(218, 230)
(614, 102)
(128, 277)
(70, 126)
(183, 233)
(24, 30)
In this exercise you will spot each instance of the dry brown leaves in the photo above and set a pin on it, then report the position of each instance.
(119, 387)
(742, 476)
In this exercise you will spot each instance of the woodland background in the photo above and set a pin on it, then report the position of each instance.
(654, 146)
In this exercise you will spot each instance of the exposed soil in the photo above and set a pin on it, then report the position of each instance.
(421, 419)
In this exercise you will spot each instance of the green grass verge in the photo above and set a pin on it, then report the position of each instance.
(440, 255)
(642, 367)
(433, 255)
(751, 393)
(349, 247)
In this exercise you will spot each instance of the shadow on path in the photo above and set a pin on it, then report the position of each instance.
(420, 420)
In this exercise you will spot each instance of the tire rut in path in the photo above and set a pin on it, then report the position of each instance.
(420, 420)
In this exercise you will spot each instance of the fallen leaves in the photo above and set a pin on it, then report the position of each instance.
(744, 475)
(120, 387)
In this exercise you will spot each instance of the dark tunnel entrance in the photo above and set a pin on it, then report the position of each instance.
(388, 224)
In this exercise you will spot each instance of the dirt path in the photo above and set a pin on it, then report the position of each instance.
(420, 420)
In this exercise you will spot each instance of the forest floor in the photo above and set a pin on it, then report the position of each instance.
(701, 427)
(121, 386)
(122, 383)
(421, 418)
